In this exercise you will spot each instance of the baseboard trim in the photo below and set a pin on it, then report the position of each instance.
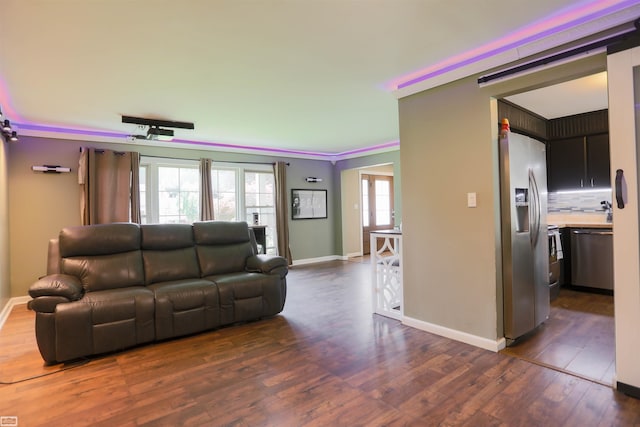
(629, 390)
(319, 259)
(474, 340)
(6, 310)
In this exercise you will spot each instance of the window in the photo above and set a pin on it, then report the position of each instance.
(383, 202)
(365, 202)
(259, 196)
(170, 193)
(171, 190)
(224, 184)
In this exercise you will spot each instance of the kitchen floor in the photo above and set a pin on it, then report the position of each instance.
(578, 337)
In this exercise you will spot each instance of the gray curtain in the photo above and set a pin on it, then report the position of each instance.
(282, 211)
(105, 180)
(206, 191)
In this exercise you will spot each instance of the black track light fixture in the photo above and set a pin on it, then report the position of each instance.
(6, 131)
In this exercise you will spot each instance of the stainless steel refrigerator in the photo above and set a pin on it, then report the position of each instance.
(525, 246)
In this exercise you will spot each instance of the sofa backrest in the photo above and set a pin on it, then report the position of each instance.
(102, 256)
(168, 252)
(222, 246)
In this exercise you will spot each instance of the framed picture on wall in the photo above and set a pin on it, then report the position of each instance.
(308, 204)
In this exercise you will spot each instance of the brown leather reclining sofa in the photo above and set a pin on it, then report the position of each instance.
(114, 286)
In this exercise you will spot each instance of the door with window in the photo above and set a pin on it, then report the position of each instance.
(377, 206)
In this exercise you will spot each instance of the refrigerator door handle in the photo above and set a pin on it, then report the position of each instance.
(535, 208)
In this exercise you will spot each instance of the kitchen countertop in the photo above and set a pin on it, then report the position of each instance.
(579, 220)
(583, 225)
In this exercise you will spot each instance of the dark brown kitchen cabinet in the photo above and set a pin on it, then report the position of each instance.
(598, 161)
(578, 163)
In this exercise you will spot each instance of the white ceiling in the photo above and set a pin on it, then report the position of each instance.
(278, 74)
(574, 97)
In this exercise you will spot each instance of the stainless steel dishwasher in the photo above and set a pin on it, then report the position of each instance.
(592, 258)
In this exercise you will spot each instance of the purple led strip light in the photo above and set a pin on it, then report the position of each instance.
(284, 151)
(565, 21)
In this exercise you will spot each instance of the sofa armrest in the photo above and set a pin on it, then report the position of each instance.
(57, 285)
(268, 264)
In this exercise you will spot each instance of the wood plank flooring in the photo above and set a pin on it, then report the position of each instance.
(578, 337)
(325, 361)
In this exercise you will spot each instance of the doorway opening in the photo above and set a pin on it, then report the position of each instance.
(377, 206)
(353, 209)
(578, 337)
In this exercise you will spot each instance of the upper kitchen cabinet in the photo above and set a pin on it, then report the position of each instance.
(578, 152)
(598, 161)
(565, 164)
(578, 163)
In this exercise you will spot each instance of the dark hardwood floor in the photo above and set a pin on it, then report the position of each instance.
(325, 361)
(578, 337)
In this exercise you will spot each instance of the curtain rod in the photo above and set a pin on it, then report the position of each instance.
(195, 160)
(214, 161)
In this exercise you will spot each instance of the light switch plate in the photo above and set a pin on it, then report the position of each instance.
(471, 200)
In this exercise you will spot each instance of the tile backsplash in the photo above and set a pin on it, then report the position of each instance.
(577, 202)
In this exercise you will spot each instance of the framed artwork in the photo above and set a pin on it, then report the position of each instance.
(308, 204)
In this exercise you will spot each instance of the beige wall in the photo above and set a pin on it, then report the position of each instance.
(350, 180)
(448, 150)
(5, 283)
(40, 205)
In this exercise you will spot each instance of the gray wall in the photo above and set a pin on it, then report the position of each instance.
(313, 238)
(449, 249)
(452, 253)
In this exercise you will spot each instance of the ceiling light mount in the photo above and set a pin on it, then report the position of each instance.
(157, 128)
(159, 134)
(157, 123)
(8, 133)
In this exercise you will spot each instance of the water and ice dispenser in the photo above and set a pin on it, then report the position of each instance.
(522, 210)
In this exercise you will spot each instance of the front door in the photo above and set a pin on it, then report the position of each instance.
(377, 206)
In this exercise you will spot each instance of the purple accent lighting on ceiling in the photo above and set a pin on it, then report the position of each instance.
(285, 151)
(55, 129)
(282, 151)
(562, 21)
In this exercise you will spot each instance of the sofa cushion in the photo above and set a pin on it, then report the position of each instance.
(220, 232)
(104, 321)
(161, 237)
(102, 256)
(222, 246)
(99, 239)
(96, 273)
(185, 306)
(247, 296)
(161, 266)
(168, 252)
